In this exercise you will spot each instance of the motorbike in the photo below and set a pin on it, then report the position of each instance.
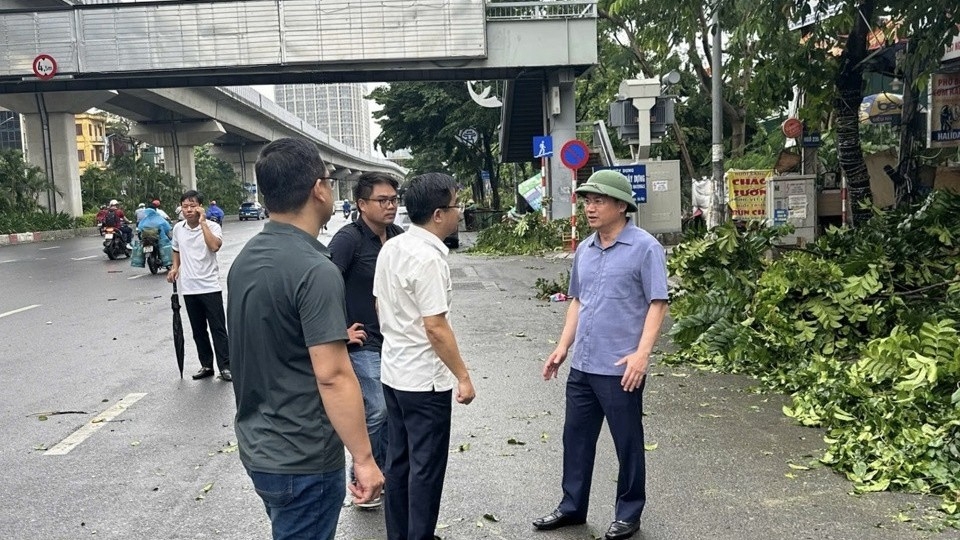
(151, 252)
(113, 244)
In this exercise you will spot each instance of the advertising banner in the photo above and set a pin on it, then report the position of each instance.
(748, 193)
(945, 110)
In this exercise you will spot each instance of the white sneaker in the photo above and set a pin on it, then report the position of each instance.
(373, 503)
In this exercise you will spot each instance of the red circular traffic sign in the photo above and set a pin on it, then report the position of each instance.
(575, 154)
(792, 128)
(44, 67)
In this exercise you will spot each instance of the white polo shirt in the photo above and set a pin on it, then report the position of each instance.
(199, 270)
(412, 281)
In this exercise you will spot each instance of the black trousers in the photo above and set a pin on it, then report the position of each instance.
(207, 309)
(590, 399)
(419, 442)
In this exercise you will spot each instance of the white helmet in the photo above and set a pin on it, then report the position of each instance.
(141, 205)
(113, 202)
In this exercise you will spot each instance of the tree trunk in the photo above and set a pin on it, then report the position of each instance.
(684, 151)
(847, 105)
(738, 134)
(493, 171)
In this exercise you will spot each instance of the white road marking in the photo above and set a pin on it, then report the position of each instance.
(83, 258)
(88, 429)
(138, 276)
(51, 247)
(8, 261)
(2, 315)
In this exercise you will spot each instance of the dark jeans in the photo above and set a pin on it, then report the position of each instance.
(301, 506)
(204, 309)
(590, 399)
(419, 433)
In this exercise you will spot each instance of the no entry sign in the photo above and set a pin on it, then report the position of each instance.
(575, 154)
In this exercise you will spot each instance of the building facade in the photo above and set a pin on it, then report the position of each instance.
(339, 110)
(91, 140)
(11, 134)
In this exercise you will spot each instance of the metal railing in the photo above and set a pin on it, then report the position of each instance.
(541, 9)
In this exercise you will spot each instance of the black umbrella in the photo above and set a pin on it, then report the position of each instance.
(177, 328)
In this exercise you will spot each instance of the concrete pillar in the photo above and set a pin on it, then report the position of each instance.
(561, 125)
(178, 140)
(53, 147)
(343, 181)
(243, 159)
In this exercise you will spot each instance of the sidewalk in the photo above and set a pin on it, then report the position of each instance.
(719, 464)
(45, 236)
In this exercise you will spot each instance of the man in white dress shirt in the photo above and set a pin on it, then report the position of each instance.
(420, 360)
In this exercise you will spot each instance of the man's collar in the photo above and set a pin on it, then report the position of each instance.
(429, 238)
(275, 227)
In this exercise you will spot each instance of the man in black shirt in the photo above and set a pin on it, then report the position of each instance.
(354, 250)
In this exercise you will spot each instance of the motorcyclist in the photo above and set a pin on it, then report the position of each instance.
(346, 207)
(102, 213)
(117, 219)
(156, 206)
(214, 213)
(153, 220)
(141, 208)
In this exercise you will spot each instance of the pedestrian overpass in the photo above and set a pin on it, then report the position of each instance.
(90, 48)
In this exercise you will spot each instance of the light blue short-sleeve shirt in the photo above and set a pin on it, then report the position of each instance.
(615, 287)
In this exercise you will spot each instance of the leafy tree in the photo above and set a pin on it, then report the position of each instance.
(217, 180)
(926, 25)
(130, 180)
(21, 184)
(427, 118)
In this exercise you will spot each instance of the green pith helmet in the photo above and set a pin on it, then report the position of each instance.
(611, 184)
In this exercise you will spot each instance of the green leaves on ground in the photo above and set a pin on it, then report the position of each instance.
(860, 327)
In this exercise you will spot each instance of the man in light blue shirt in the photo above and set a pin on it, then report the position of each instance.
(619, 289)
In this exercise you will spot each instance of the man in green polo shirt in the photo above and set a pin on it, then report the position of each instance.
(297, 395)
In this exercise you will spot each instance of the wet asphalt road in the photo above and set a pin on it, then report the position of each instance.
(79, 333)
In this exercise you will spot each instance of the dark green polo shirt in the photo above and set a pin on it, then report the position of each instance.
(283, 296)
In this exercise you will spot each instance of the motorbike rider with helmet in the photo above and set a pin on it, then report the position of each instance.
(156, 206)
(214, 213)
(153, 220)
(115, 218)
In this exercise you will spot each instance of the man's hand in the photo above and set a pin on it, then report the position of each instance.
(465, 391)
(368, 483)
(552, 365)
(636, 370)
(356, 335)
(202, 213)
(172, 274)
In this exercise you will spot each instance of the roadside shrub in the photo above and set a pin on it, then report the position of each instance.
(11, 223)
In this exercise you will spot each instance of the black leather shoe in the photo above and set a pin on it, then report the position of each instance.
(203, 373)
(621, 530)
(555, 520)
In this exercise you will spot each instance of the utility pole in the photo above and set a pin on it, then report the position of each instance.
(716, 94)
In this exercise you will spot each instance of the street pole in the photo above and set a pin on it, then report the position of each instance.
(716, 94)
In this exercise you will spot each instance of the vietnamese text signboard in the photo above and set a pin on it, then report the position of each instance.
(748, 193)
(945, 110)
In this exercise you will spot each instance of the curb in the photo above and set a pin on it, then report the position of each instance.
(45, 236)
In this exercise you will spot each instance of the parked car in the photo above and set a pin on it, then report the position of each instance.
(253, 210)
(403, 220)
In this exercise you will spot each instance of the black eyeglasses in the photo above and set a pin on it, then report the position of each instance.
(383, 201)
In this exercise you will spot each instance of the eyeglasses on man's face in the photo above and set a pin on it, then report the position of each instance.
(384, 202)
(595, 201)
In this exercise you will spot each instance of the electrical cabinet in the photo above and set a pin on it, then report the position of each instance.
(792, 199)
(661, 211)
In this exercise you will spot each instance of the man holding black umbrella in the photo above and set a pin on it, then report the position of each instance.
(196, 242)
(298, 399)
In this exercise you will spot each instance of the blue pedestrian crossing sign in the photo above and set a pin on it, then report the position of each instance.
(542, 147)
